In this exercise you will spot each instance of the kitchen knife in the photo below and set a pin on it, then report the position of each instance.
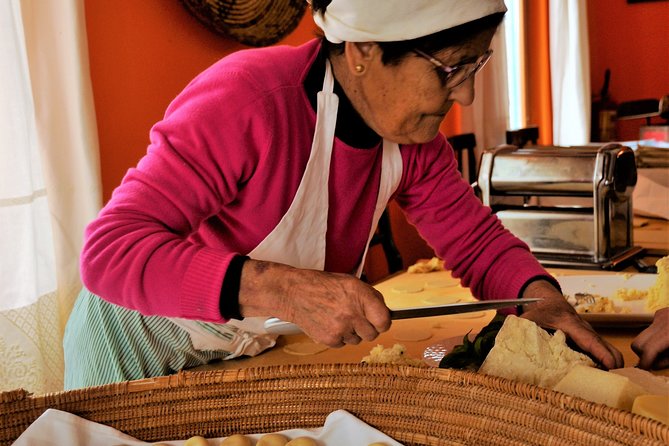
(277, 326)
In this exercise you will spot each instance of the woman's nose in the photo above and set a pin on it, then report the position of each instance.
(463, 94)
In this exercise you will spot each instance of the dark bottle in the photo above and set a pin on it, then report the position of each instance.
(603, 114)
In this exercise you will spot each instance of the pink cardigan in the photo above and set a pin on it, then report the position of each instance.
(222, 168)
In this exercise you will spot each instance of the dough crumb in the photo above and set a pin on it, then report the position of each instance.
(426, 266)
(393, 355)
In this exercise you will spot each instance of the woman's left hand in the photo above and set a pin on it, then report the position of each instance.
(553, 311)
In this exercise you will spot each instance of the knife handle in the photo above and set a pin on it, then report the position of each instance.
(274, 325)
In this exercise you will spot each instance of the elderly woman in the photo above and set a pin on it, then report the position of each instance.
(264, 182)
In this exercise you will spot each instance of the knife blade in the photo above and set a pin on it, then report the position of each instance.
(275, 325)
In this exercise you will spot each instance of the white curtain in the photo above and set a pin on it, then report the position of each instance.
(49, 183)
(488, 116)
(570, 72)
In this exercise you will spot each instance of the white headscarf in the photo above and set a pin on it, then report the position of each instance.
(394, 20)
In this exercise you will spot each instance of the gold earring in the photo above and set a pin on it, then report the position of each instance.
(359, 68)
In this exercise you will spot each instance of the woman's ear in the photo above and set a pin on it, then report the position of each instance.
(360, 55)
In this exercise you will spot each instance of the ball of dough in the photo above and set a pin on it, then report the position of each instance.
(302, 441)
(237, 440)
(377, 444)
(196, 441)
(272, 440)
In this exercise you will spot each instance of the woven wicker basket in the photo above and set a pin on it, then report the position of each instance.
(416, 406)
(251, 22)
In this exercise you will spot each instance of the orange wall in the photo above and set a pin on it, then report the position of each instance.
(142, 54)
(633, 41)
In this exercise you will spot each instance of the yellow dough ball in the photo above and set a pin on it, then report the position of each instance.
(302, 441)
(272, 440)
(196, 441)
(236, 440)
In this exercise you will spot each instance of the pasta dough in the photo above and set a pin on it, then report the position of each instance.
(272, 440)
(526, 353)
(412, 334)
(599, 386)
(196, 441)
(658, 294)
(470, 315)
(394, 355)
(652, 406)
(408, 288)
(237, 440)
(302, 441)
(304, 348)
(440, 283)
(434, 264)
(440, 300)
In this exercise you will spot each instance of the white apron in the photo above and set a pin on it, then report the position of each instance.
(299, 238)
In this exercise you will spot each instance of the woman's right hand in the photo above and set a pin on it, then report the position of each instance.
(332, 309)
(652, 344)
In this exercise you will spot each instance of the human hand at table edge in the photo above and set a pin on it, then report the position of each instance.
(652, 344)
(331, 308)
(553, 311)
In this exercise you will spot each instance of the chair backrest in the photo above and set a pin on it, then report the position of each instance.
(464, 144)
(521, 137)
(384, 237)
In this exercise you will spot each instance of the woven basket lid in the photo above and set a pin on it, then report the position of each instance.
(251, 22)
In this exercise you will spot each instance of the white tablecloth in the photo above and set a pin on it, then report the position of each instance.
(57, 428)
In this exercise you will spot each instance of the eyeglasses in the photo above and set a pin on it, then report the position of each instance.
(457, 74)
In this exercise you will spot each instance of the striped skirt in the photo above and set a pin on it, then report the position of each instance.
(106, 343)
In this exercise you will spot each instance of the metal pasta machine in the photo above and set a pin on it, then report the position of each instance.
(571, 205)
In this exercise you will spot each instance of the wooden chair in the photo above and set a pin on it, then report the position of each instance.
(464, 144)
(521, 137)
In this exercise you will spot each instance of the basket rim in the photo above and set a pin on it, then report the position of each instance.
(278, 380)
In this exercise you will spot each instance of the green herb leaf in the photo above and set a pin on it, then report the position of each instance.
(471, 354)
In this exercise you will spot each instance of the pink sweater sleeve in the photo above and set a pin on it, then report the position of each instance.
(471, 241)
(140, 252)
